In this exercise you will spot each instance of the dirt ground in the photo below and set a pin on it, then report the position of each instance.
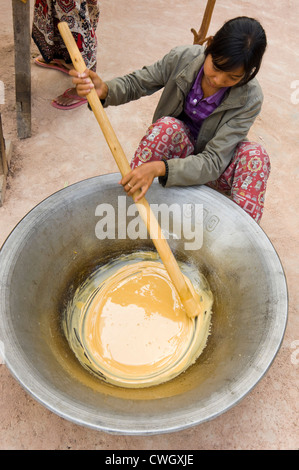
(67, 146)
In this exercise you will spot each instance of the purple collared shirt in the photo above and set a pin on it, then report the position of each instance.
(197, 108)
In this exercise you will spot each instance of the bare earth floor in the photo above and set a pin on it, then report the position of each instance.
(67, 146)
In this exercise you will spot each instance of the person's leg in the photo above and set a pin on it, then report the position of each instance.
(245, 179)
(82, 22)
(82, 18)
(166, 138)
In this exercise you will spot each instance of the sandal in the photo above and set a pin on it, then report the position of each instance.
(78, 101)
(55, 64)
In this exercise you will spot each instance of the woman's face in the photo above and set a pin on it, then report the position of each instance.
(216, 78)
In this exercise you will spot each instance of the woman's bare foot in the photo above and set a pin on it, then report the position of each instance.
(68, 100)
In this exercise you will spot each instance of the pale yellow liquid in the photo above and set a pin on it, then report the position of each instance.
(127, 324)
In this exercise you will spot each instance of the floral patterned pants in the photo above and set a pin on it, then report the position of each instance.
(244, 180)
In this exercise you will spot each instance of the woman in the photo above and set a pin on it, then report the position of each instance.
(209, 102)
(82, 18)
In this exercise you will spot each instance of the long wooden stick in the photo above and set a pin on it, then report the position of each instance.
(200, 36)
(191, 306)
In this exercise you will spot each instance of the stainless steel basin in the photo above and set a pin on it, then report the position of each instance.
(55, 247)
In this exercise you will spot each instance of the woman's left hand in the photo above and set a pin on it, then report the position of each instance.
(142, 177)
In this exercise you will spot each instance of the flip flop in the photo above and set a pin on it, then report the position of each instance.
(51, 65)
(67, 94)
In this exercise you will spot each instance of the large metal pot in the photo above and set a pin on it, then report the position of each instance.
(55, 247)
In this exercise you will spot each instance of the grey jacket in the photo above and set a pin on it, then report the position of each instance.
(220, 133)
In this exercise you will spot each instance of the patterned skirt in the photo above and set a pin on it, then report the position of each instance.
(82, 17)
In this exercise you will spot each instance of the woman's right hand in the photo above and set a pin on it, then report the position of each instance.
(142, 177)
(88, 80)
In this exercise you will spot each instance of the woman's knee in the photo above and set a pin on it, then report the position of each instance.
(253, 157)
(168, 137)
(252, 169)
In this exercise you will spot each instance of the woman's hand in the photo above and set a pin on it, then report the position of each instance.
(88, 80)
(142, 177)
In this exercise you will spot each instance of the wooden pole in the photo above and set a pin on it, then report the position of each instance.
(201, 35)
(3, 165)
(191, 306)
(21, 23)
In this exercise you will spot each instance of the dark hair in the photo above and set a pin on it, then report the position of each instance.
(240, 41)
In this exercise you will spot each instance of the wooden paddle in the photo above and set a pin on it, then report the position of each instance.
(192, 307)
